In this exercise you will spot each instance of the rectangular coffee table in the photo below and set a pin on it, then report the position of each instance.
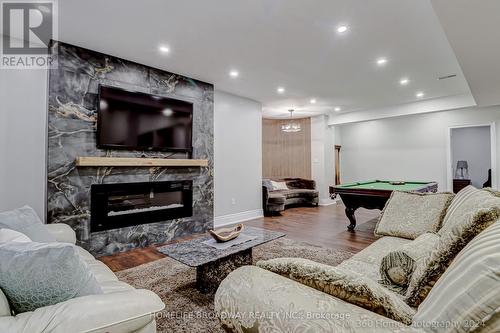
(213, 265)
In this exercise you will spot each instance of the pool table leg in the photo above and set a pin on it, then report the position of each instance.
(349, 211)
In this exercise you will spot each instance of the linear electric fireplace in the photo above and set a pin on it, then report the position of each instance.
(126, 204)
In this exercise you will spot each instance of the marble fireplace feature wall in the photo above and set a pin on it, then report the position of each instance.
(72, 116)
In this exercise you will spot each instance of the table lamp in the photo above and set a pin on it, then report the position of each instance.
(462, 171)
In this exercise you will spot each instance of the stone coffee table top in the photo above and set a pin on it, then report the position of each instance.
(194, 253)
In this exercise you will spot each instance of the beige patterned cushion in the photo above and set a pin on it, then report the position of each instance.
(489, 189)
(367, 262)
(397, 266)
(252, 300)
(368, 270)
(344, 284)
(474, 213)
(468, 293)
(450, 219)
(409, 214)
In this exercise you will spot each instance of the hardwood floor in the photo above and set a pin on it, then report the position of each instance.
(323, 226)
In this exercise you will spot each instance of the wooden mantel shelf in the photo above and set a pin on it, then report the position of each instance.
(138, 162)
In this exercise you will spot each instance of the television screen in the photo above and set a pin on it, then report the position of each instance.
(138, 121)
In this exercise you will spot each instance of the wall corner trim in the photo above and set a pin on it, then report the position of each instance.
(224, 220)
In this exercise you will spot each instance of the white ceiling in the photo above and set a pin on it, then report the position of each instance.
(473, 29)
(290, 43)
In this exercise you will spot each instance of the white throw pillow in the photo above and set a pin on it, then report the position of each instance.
(279, 186)
(8, 235)
(467, 294)
(26, 221)
(34, 275)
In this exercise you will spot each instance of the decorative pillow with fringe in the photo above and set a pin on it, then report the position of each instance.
(467, 294)
(465, 221)
(344, 284)
(450, 219)
(411, 214)
(397, 266)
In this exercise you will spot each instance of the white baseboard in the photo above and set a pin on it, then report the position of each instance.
(223, 220)
(327, 202)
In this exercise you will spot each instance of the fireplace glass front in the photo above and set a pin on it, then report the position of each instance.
(127, 204)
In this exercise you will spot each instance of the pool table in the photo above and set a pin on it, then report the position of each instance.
(374, 194)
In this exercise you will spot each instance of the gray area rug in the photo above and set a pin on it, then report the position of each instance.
(186, 309)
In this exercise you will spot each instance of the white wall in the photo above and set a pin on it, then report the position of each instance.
(472, 144)
(3, 143)
(23, 108)
(322, 156)
(408, 148)
(238, 158)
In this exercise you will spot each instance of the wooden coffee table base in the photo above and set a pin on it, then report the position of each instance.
(210, 275)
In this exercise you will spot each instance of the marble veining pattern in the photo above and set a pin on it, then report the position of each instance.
(72, 117)
(210, 275)
(194, 253)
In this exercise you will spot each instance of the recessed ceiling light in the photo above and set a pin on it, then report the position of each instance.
(420, 94)
(234, 73)
(280, 90)
(342, 28)
(381, 61)
(337, 109)
(404, 81)
(164, 49)
(313, 101)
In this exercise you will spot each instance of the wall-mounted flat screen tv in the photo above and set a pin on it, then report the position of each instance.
(138, 121)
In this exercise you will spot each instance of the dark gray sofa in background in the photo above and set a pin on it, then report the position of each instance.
(300, 192)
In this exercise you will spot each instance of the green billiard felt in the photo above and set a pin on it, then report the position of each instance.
(385, 185)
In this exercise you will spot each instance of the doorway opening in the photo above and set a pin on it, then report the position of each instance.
(471, 157)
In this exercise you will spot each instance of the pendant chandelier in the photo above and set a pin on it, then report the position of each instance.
(291, 126)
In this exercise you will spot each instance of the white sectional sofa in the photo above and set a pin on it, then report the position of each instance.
(121, 308)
